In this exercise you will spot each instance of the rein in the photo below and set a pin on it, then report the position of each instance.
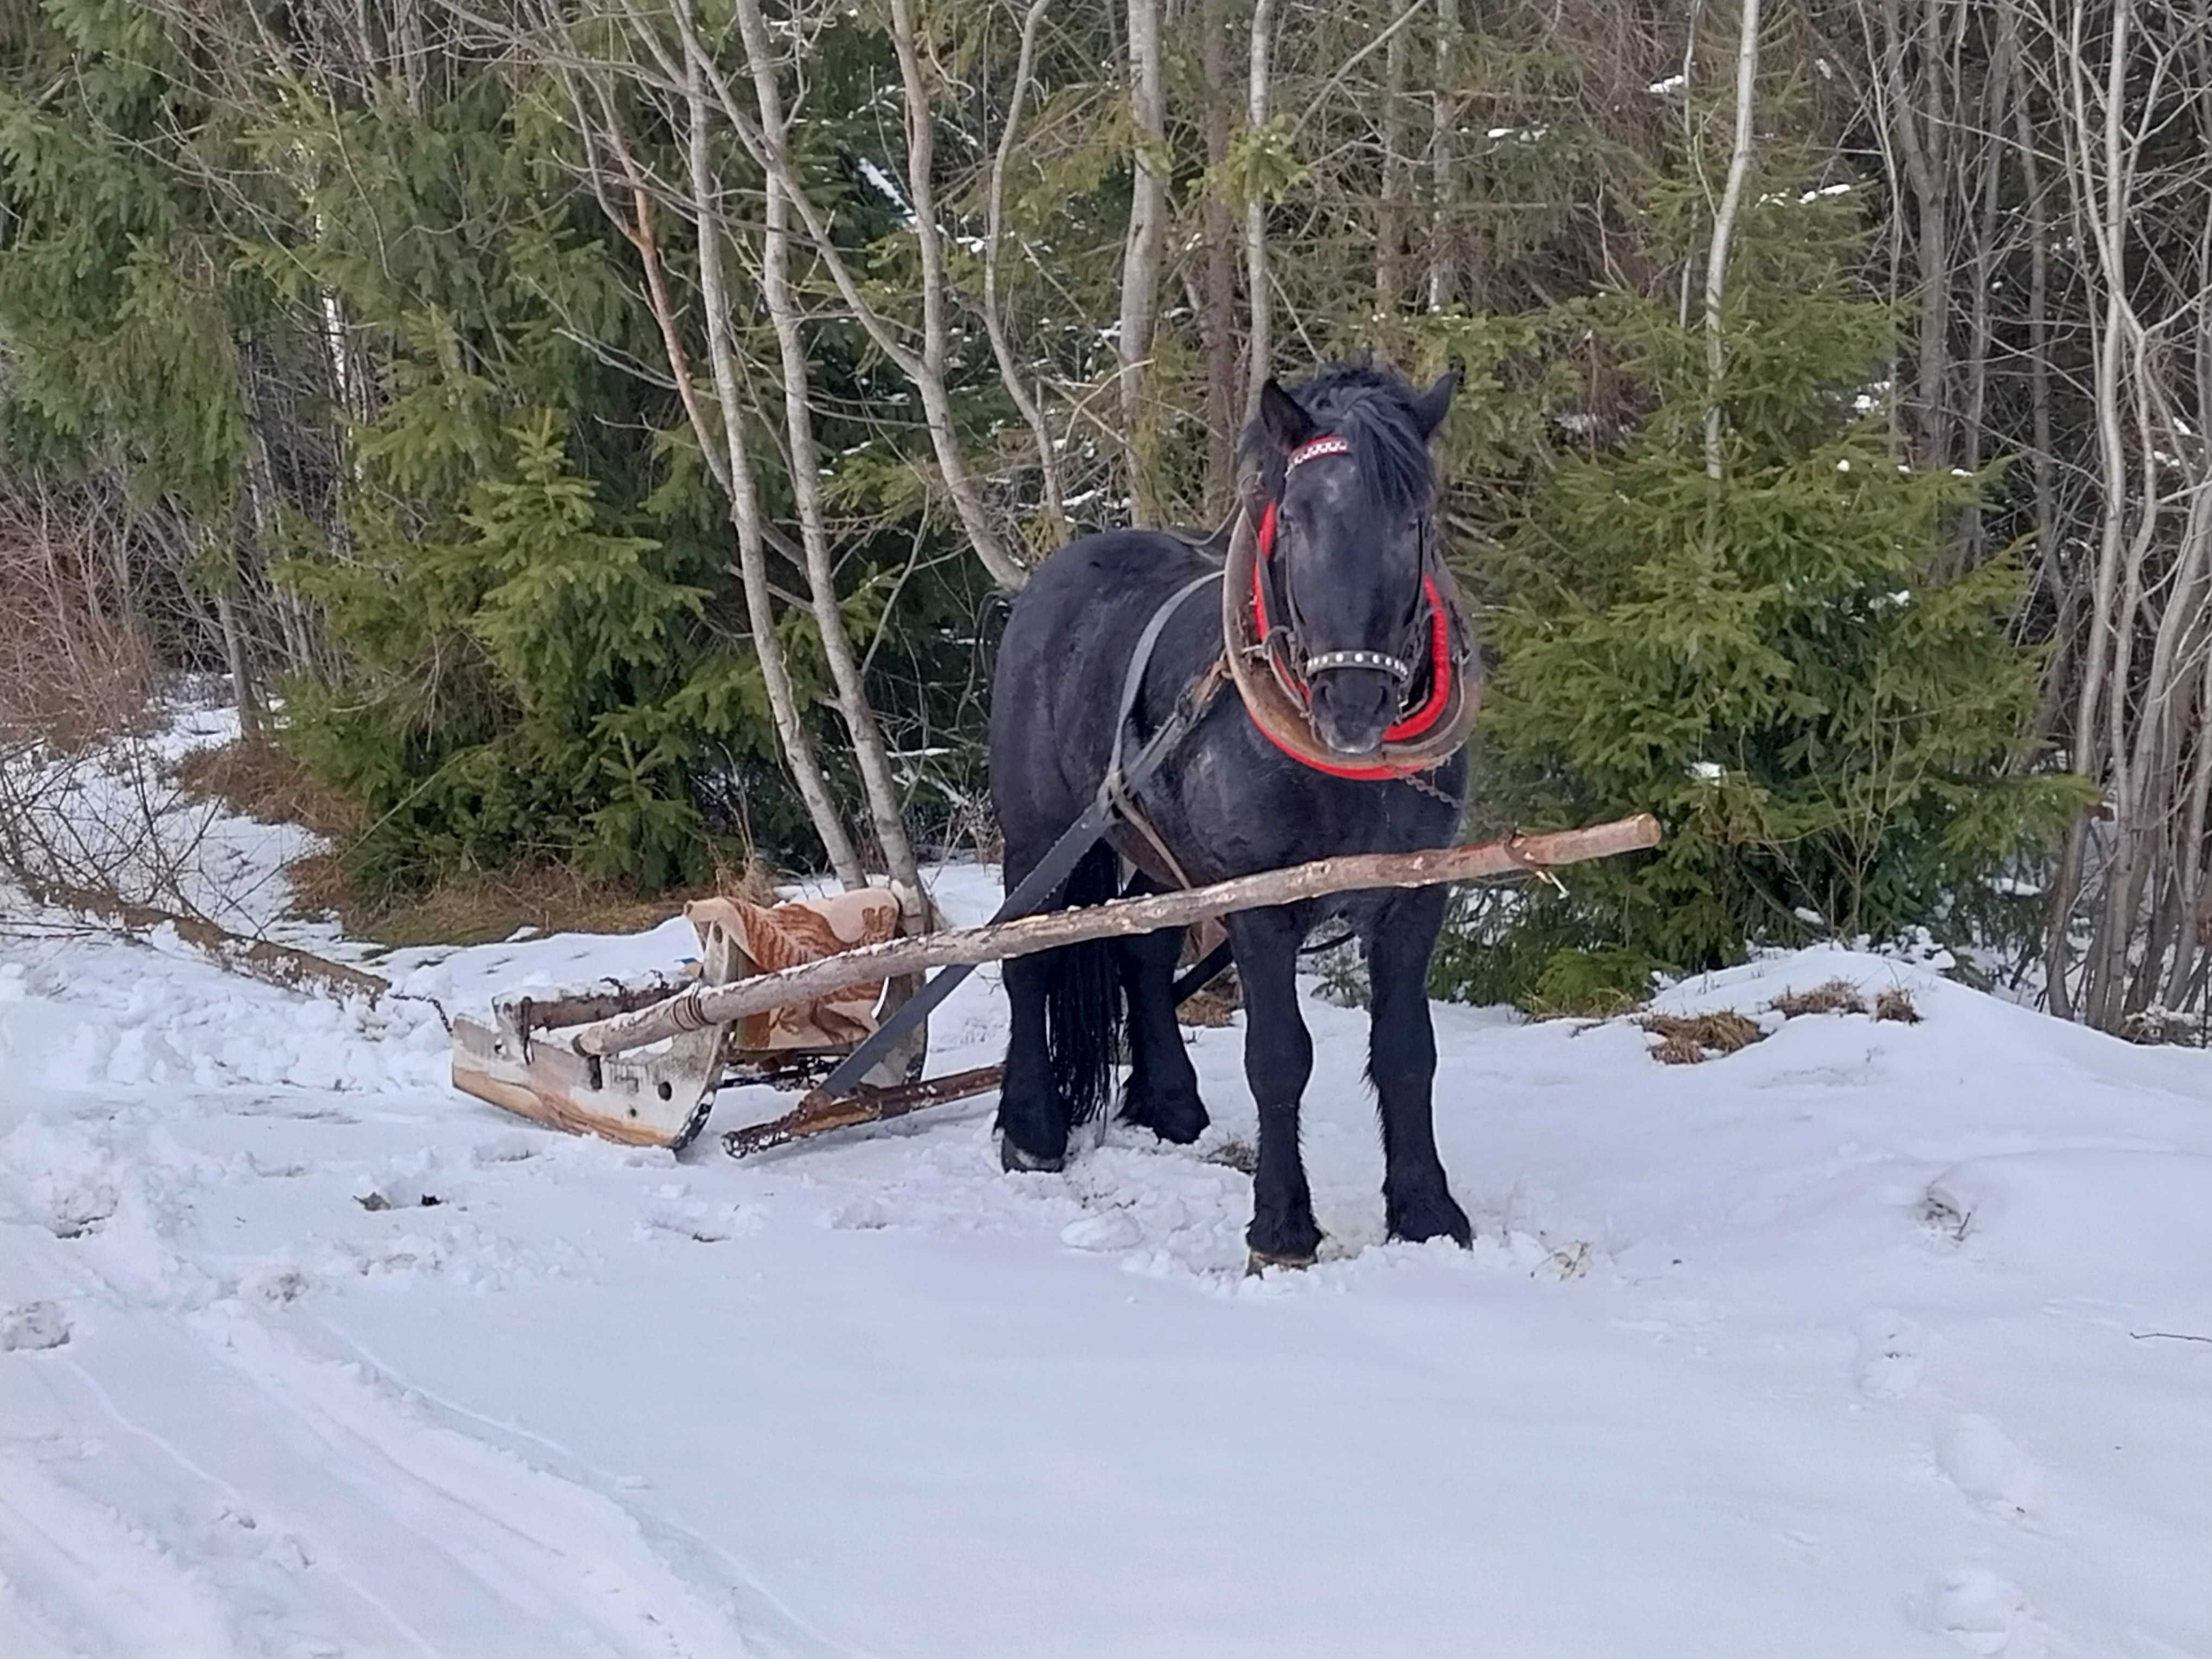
(1440, 686)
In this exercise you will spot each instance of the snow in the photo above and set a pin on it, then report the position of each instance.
(1869, 1338)
(882, 183)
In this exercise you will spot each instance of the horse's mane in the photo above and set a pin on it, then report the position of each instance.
(1373, 408)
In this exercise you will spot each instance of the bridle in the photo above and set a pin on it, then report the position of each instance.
(1437, 688)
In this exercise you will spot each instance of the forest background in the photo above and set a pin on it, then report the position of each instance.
(596, 442)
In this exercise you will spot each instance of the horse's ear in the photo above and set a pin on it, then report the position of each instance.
(1432, 405)
(1286, 419)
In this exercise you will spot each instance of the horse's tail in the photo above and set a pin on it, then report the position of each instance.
(1083, 997)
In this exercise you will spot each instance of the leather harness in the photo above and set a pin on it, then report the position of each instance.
(1262, 655)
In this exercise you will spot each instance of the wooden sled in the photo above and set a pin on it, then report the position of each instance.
(640, 1064)
(524, 1060)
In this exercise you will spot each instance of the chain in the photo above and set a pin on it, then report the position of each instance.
(1419, 781)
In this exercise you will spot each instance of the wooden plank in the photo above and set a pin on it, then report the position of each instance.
(715, 1005)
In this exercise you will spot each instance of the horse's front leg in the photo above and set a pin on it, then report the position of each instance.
(1401, 1063)
(1277, 1060)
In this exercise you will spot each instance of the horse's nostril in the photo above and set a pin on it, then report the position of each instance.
(1351, 708)
(1352, 693)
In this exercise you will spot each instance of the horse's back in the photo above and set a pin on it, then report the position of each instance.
(1062, 658)
(1095, 580)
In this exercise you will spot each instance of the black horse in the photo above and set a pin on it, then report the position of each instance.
(1352, 525)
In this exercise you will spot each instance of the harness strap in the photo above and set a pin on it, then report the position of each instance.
(1116, 787)
(1120, 783)
(1133, 679)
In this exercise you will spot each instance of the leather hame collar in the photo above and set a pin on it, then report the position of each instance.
(1442, 685)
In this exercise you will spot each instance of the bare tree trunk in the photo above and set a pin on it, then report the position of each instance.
(994, 320)
(1141, 260)
(2103, 210)
(1258, 285)
(1980, 333)
(1691, 152)
(1390, 212)
(1923, 136)
(885, 809)
(2189, 866)
(1443, 151)
(1747, 78)
(745, 501)
(2039, 310)
(242, 694)
(925, 370)
(2192, 851)
(720, 438)
(1219, 308)
(930, 382)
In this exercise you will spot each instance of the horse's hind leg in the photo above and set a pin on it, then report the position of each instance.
(1163, 1092)
(1067, 1025)
(1278, 1060)
(1401, 1063)
(1032, 1118)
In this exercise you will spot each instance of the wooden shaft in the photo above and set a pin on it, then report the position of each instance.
(717, 1005)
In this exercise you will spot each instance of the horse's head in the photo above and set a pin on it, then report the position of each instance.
(1343, 460)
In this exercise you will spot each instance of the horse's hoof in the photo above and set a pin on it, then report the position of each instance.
(1282, 1241)
(1432, 1215)
(1177, 1120)
(1014, 1161)
(1257, 1262)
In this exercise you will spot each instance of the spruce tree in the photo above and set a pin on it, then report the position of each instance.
(1773, 661)
(565, 717)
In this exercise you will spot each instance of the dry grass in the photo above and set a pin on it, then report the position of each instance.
(1215, 1005)
(1837, 996)
(1686, 1039)
(73, 674)
(1237, 1155)
(266, 784)
(476, 907)
(2177, 1026)
(1896, 1003)
(485, 906)
(1678, 1051)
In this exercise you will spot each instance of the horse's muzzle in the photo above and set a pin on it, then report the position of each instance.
(1352, 708)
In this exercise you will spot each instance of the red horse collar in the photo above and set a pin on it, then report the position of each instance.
(1292, 672)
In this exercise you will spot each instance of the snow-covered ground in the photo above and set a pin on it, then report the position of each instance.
(1842, 1344)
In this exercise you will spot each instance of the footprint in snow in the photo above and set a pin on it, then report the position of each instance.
(1112, 1230)
(74, 1207)
(33, 1326)
(1985, 1465)
(511, 1148)
(1984, 1614)
(1890, 1360)
(684, 1217)
(863, 1214)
